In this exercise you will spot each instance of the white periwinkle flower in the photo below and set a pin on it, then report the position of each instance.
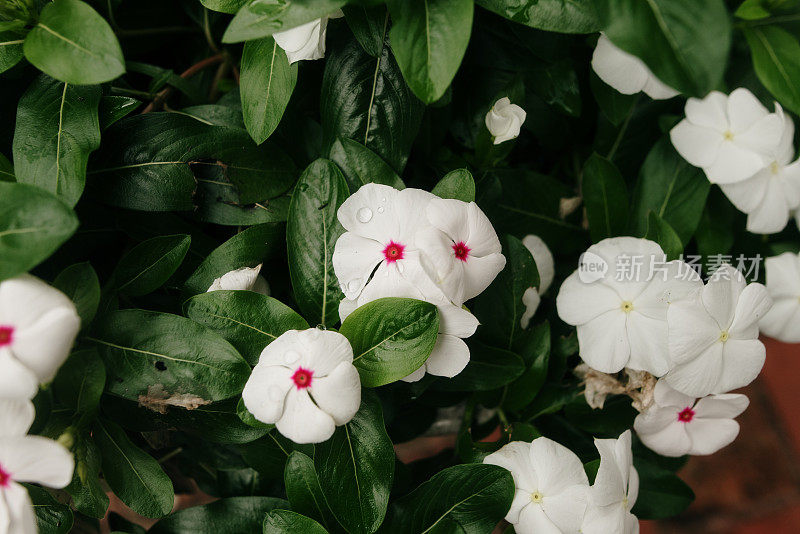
(618, 300)
(305, 383)
(771, 194)
(677, 424)
(782, 321)
(244, 279)
(547, 270)
(551, 486)
(461, 250)
(306, 41)
(713, 335)
(38, 325)
(730, 137)
(26, 459)
(504, 120)
(627, 73)
(614, 491)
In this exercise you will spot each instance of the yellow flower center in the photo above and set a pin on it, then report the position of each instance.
(723, 336)
(728, 135)
(774, 167)
(627, 306)
(536, 497)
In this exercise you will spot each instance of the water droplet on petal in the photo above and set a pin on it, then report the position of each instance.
(290, 357)
(380, 209)
(352, 285)
(383, 199)
(322, 327)
(364, 215)
(275, 393)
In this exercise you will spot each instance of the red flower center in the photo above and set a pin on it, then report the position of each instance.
(6, 335)
(302, 377)
(393, 252)
(461, 250)
(5, 477)
(686, 415)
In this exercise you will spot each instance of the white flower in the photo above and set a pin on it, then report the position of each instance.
(31, 459)
(306, 384)
(614, 491)
(677, 424)
(782, 321)
(382, 224)
(627, 73)
(730, 137)
(244, 279)
(504, 120)
(306, 41)
(38, 325)
(551, 486)
(621, 317)
(546, 267)
(770, 195)
(461, 251)
(713, 335)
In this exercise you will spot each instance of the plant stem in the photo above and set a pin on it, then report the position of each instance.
(622, 130)
(188, 73)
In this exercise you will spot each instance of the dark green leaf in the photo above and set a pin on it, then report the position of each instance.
(303, 490)
(149, 264)
(457, 184)
(33, 224)
(87, 492)
(356, 469)
(488, 368)
(73, 43)
(661, 232)
(52, 517)
(10, 49)
(605, 197)
(368, 25)
(57, 128)
(391, 338)
(614, 105)
(249, 419)
(661, 493)
(6, 170)
(113, 108)
(79, 282)
(218, 422)
(311, 233)
(572, 16)
(361, 166)
(613, 419)
(536, 352)
(261, 19)
(80, 381)
(234, 515)
(224, 6)
(776, 58)
(288, 522)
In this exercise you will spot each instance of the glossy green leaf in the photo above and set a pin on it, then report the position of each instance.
(164, 360)
(33, 224)
(776, 59)
(311, 233)
(218, 422)
(113, 108)
(87, 492)
(226, 516)
(149, 264)
(573, 16)
(133, 475)
(661, 493)
(288, 522)
(10, 49)
(684, 42)
(488, 368)
(362, 166)
(267, 82)
(429, 39)
(457, 184)
(57, 128)
(356, 468)
(391, 338)
(260, 18)
(73, 43)
(249, 419)
(52, 517)
(536, 352)
(470, 499)
(303, 490)
(81, 380)
(661, 232)
(605, 197)
(6, 170)
(79, 282)
(368, 25)
(224, 6)
(249, 321)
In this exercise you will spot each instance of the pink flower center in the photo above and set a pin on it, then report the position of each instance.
(461, 250)
(5, 478)
(686, 415)
(302, 378)
(6, 335)
(393, 252)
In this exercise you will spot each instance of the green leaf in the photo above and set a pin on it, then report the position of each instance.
(661, 493)
(249, 321)
(288, 522)
(391, 338)
(672, 188)
(73, 43)
(259, 19)
(249, 419)
(87, 492)
(10, 49)
(149, 264)
(488, 368)
(684, 42)
(79, 282)
(469, 499)
(661, 232)
(227, 516)
(366, 99)
(133, 475)
(80, 381)
(6, 170)
(52, 517)
(303, 490)
(457, 184)
(368, 25)
(113, 108)
(572, 16)
(605, 197)
(614, 105)
(752, 10)
(356, 468)
(57, 128)
(429, 39)
(311, 233)
(33, 224)
(218, 422)
(267, 82)
(246, 249)
(776, 59)
(536, 352)
(361, 165)
(224, 6)
(163, 360)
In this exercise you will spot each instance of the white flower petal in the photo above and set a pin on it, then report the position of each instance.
(303, 421)
(265, 392)
(354, 260)
(416, 376)
(658, 90)
(522, 498)
(361, 215)
(339, 393)
(456, 321)
(543, 259)
(16, 380)
(449, 357)
(665, 396)
(44, 346)
(243, 279)
(763, 137)
(39, 299)
(691, 330)
(648, 350)
(742, 361)
(726, 406)
(604, 343)
(578, 302)
(744, 110)
(531, 301)
(748, 194)
(783, 275)
(557, 467)
(698, 377)
(16, 417)
(303, 42)
(698, 145)
(710, 112)
(733, 163)
(534, 520)
(479, 273)
(710, 435)
(783, 321)
(16, 511)
(451, 217)
(605, 519)
(482, 239)
(36, 459)
(754, 302)
(567, 508)
(671, 440)
(721, 294)
(772, 214)
(346, 307)
(623, 71)
(516, 457)
(504, 120)
(609, 485)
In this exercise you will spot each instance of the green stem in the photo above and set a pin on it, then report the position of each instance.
(622, 130)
